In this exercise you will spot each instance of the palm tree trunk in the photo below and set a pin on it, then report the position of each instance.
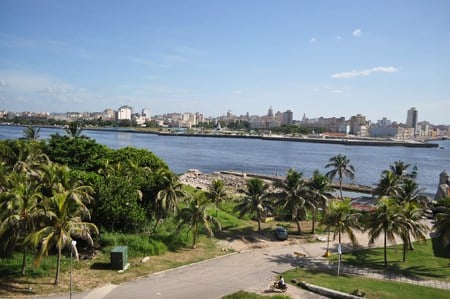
(385, 248)
(299, 229)
(258, 214)
(313, 230)
(58, 266)
(24, 259)
(340, 187)
(405, 245)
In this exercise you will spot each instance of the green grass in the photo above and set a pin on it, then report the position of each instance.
(372, 287)
(422, 262)
(246, 295)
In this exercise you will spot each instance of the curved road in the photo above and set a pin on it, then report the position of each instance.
(251, 270)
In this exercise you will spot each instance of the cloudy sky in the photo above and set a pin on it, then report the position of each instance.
(319, 58)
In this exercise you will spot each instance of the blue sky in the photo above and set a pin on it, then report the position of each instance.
(319, 58)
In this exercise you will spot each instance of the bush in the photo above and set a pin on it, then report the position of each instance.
(138, 245)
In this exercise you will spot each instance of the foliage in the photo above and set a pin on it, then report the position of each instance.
(117, 207)
(216, 192)
(442, 221)
(138, 245)
(195, 215)
(342, 168)
(255, 200)
(79, 153)
(293, 196)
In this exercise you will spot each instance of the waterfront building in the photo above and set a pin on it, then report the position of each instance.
(124, 113)
(108, 114)
(358, 125)
(288, 118)
(411, 119)
(145, 113)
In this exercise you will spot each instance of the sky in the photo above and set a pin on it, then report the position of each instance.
(318, 58)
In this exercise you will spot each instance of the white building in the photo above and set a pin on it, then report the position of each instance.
(124, 113)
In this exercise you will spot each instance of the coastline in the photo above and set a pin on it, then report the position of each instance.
(324, 140)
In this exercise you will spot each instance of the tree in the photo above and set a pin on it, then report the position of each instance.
(18, 206)
(342, 218)
(255, 200)
(62, 217)
(388, 220)
(319, 186)
(195, 216)
(216, 192)
(388, 185)
(293, 196)
(342, 168)
(74, 129)
(413, 227)
(31, 133)
(171, 190)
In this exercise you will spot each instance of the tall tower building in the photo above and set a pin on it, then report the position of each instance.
(411, 119)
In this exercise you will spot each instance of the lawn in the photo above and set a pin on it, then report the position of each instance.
(372, 287)
(428, 260)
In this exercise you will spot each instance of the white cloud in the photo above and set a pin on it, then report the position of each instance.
(338, 37)
(357, 33)
(312, 40)
(366, 72)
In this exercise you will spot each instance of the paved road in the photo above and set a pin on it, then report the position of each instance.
(251, 270)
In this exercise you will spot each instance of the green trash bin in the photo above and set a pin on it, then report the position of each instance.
(119, 257)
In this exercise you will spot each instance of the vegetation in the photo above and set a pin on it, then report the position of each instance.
(246, 295)
(341, 168)
(71, 188)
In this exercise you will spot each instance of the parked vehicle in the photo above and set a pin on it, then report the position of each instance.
(281, 233)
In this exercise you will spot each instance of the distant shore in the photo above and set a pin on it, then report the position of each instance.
(351, 141)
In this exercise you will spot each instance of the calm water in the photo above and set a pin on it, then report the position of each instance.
(270, 157)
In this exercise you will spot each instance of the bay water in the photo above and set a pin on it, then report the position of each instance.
(208, 154)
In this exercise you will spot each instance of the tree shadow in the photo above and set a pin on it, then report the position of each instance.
(284, 259)
(18, 286)
(101, 266)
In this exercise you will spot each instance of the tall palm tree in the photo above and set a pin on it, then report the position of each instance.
(342, 168)
(255, 200)
(168, 196)
(319, 185)
(63, 215)
(342, 218)
(195, 216)
(409, 191)
(387, 220)
(293, 196)
(18, 207)
(217, 192)
(400, 169)
(413, 227)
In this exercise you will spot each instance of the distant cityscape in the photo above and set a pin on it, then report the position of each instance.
(357, 125)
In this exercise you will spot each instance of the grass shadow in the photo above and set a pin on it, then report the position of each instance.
(438, 248)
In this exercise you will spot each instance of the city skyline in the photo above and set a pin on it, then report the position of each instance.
(320, 59)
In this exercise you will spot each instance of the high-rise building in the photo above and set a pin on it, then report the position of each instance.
(411, 119)
(288, 117)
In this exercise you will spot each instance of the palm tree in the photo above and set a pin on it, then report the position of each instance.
(293, 196)
(342, 218)
(413, 227)
(217, 192)
(31, 133)
(342, 168)
(195, 216)
(74, 130)
(399, 169)
(442, 221)
(388, 220)
(255, 200)
(388, 185)
(171, 191)
(18, 206)
(63, 215)
(319, 185)
(409, 191)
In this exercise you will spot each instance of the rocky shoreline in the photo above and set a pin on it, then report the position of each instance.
(235, 181)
